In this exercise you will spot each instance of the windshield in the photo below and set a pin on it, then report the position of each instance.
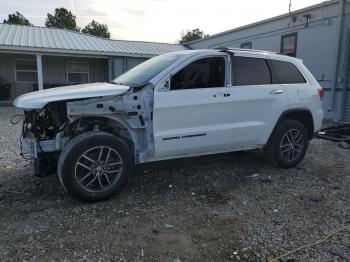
(141, 74)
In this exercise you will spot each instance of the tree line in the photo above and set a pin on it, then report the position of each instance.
(63, 18)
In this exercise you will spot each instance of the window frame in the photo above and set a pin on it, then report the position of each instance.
(227, 82)
(295, 34)
(77, 62)
(246, 43)
(30, 71)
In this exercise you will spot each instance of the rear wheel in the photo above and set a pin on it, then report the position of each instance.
(288, 144)
(94, 166)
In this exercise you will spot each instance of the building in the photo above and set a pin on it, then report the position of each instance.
(33, 58)
(318, 34)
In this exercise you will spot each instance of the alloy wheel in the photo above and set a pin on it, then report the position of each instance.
(98, 169)
(292, 144)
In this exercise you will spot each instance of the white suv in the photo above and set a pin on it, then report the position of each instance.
(181, 104)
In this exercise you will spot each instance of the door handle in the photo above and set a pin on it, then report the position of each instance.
(277, 91)
(221, 95)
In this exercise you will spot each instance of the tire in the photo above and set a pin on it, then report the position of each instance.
(288, 144)
(94, 166)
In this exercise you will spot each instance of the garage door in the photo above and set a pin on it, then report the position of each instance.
(347, 93)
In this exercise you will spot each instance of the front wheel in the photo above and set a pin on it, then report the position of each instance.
(288, 144)
(94, 166)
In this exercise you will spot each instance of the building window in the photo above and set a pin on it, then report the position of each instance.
(77, 72)
(246, 45)
(26, 70)
(289, 44)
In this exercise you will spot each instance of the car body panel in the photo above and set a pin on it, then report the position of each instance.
(38, 99)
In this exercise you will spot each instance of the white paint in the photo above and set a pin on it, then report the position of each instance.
(200, 121)
(38, 99)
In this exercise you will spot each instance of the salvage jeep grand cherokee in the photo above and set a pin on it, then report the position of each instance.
(180, 104)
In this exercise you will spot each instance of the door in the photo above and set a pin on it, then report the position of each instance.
(257, 103)
(194, 115)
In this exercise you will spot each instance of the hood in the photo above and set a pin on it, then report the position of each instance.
(38, 99)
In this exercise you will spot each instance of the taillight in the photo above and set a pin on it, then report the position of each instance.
(320, 92)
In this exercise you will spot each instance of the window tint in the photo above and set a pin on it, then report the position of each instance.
(250, 71)
(285, 73)
(203, 73)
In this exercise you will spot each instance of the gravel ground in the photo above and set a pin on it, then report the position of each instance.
(228, 207)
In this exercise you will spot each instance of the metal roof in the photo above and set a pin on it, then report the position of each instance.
(55, 40)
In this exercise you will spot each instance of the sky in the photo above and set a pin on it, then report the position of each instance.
(156, 20)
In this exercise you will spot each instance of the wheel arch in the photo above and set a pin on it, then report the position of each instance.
(114, 126)
(303, 115)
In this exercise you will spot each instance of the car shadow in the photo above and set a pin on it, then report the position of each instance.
(210, 175)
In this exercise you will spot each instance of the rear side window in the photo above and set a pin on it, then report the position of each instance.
(285, 73)
(250, 71)
(203, 73)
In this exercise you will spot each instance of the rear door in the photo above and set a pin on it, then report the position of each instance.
(193, 113)
(293, 82)
(257, 103)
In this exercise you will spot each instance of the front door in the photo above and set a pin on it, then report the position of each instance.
(194, 115)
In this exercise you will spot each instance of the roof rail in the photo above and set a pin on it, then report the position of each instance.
(245, 50)
(252, 50)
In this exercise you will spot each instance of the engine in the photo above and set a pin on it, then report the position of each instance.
(44, 124)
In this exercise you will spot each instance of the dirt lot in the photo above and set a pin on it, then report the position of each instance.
(229, 207)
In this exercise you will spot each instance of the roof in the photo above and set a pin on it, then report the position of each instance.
(55, 40)
(309, 8)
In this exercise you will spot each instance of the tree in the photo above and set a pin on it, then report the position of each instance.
(192, 35)
(62, 19)
(17, 19)
(97, 29)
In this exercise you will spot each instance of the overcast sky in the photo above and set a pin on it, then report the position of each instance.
(156, 20)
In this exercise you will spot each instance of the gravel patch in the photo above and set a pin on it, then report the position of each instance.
(227, 207)
(9, 139)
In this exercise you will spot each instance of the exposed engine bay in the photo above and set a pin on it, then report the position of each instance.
(44, 124)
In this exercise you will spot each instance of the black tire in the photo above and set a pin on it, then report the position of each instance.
(71, 166)
(281, 141)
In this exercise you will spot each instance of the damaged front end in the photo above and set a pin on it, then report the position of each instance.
(47, 126)
(41, 138)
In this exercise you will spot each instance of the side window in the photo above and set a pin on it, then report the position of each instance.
(285, 73)
(250, 71)
(203, 73)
